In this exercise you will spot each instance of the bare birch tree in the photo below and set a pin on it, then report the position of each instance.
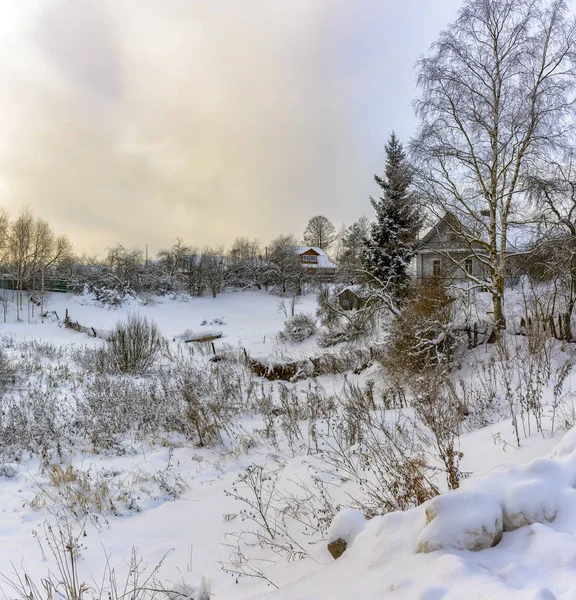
(20, 252)
(319, 233)
(497, 95)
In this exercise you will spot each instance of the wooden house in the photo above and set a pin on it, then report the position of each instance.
(315, 261)
(352, 297)
(445, 252)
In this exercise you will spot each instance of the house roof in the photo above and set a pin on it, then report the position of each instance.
(431, 231)
(302, 249)
(518, 236)
(323, 261)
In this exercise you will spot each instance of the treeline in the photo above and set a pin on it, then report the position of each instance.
(29, 251)
(33, 257)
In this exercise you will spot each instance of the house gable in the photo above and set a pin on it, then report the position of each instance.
(444, 252)
(314, 258)
(444, 234)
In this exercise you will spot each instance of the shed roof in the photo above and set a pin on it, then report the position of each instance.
(357, 290)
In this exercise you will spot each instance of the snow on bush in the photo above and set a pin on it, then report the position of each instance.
(298, 328)
(192, 587)
(476, 516)
(8, 470)
(503, 500)
(346, 525)
(134, 345)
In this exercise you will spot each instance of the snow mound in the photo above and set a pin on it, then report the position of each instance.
(346, 525)
(528, 502)
(510, 533)
(463, 521)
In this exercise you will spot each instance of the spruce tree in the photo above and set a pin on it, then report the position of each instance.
(393, 237)
(353, 240)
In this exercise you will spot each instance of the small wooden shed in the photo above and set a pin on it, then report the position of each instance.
(352, 297)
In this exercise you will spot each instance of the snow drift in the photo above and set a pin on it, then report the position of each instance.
(510, 533)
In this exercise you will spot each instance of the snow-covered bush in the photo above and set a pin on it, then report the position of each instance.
(422, 335)
(328, 311)
(356, 327)
(135, 345)
(192, 587)
(111, 407)
(298, 328)
(7, 372)
(384, 456)
(276, 517)
(64, 545)
(36, 422)
(113, 297)
(528, 502)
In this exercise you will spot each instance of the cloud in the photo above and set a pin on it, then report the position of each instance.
(80, 39)
(140, 121)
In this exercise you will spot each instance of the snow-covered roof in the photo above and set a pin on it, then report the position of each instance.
(302, 249)
(518, 235)
(323, 262)
(357, 290)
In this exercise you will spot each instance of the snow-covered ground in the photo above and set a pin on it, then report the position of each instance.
(431, 553)
(251, 319)
(173, 506)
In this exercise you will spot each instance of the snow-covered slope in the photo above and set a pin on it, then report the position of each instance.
(523, 519)
(171, 496)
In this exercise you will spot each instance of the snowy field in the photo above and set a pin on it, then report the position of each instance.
(170, 499)
(251, 319)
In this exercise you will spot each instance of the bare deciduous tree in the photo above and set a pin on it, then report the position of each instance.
(246, 265)
(497, 93)
(214, 268)
(353, 242)
(124, 264)
(285, 271)
(19, 252)
(553, 190)
(173, 259)
(319, 233)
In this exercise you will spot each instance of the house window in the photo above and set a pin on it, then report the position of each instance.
(436, 268)
(346, 304)
(309, 258)
(468, 266)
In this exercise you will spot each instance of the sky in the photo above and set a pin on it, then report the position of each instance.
(140, 121)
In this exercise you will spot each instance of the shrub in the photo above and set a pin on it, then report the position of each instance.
(7, 372)
(298, 328)
(135, 345)
(356, 327)
(422, 336)
(328, 310)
